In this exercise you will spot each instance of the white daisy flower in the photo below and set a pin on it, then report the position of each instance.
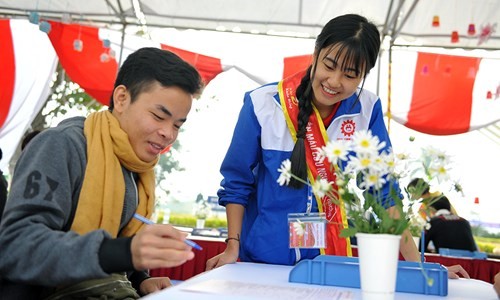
(373, 179)
(442, 173)
(321, 187)
(335, 151)
(285, 172)
(364, 141)
(363, 161)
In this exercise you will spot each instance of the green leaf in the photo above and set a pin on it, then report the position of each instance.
(348, 232)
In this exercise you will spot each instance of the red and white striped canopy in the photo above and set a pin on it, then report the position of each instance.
(27, 61)
(432, 93)
(443, 94)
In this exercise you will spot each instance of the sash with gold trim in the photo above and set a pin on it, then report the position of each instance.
(316, 137)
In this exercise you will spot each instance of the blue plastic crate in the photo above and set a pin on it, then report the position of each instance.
(462, 253)
(344, 271)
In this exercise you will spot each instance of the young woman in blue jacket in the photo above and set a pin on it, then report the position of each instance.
(285, 120)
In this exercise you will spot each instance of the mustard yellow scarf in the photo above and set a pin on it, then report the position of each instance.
(101, 199)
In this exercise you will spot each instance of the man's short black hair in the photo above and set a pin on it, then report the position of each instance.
(148, 65)
(441, 202)
(420, 184)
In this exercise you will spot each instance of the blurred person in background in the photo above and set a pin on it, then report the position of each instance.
(447, 230)
(3, 189)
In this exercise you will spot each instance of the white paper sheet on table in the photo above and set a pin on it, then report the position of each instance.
(250, 281)
(263, 291)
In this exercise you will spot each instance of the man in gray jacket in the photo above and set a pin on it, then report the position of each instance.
(68, 229)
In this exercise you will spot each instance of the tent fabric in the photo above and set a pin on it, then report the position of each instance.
(29, 58)
(408, 22)
(28, 63)
(86, 67)
(450, 94)
(94, 67)
(454, 106)
(207, 66)
(8, 69)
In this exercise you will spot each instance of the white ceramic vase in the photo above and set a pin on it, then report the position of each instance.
(378, 264)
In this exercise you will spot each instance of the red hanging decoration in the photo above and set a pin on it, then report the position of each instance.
(486, 32)
(425, 70)
(447, 70)
(489, 95)
(435, 21)
(454, 37)
(472, 29)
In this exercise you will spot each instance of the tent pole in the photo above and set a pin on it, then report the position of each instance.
(407, 15)
(124, 25)
(394, 22)
(384, 29)
(389, 83)
(384, 34)
(122, 42)
(119, 13)
(394, 19)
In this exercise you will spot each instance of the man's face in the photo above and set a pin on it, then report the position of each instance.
(153, 120)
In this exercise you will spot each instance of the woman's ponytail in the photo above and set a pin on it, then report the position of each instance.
(298, 157)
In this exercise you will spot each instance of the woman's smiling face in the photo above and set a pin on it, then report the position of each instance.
(335, 79)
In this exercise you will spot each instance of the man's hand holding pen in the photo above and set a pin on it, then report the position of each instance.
(159, 246)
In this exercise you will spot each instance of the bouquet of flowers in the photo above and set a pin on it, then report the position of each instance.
(362, 169)
(430, 169)
(360, 163)
(366, 183)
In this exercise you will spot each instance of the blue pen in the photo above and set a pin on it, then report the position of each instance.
(149, 222)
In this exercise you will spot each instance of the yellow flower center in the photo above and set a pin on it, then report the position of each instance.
(373, 178)
(442, 170)
(365, 162)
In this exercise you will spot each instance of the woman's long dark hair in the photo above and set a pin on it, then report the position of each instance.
(359, 41)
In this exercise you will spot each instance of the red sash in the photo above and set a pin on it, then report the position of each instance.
(316, 137)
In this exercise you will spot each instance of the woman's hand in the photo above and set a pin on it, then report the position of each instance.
(496, 284)
(229, 256)
(454, 271)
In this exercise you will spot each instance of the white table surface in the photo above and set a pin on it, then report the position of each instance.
(262, 281)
